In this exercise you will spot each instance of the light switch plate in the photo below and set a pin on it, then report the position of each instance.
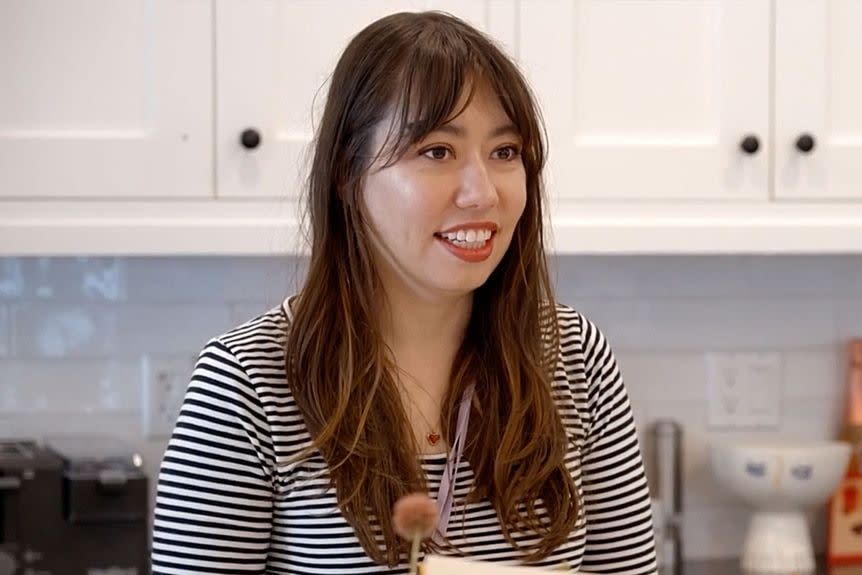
(744, 389)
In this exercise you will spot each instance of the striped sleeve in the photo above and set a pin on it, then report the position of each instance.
(214, 497)
(619, 535)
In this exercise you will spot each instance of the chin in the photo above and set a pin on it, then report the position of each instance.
(467, 283)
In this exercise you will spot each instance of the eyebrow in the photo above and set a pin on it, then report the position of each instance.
(502, 130)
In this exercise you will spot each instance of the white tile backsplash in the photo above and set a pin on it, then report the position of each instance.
(848, 316)
(11, 278)
(70, 386)
(813, 373)
(714, 531)
(848, 278)
(5, 331)
(213, 280)
(78, 330)
(743, 324)
(77, 279)
(652, 277)
(74, 332)
(793, 276)
(664, 377)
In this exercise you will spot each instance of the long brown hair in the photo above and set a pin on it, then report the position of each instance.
(339, 369)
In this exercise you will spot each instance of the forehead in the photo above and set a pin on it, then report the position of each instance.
(483, 105)
(478, 108)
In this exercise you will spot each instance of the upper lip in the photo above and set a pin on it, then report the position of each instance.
(471, 226)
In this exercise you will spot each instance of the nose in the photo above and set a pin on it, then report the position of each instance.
(478, 189)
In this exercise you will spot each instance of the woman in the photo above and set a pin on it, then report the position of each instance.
(427, 290)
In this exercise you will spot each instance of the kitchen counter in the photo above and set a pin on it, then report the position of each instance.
(732, 567)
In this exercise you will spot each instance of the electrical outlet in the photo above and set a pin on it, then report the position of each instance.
(164, 386)
(744, 389)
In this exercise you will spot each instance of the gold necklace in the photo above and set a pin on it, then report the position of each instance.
(433, 437)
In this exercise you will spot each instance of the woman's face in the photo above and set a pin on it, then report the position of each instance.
(443, 214)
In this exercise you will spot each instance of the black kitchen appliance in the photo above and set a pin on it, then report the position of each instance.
(76, 506)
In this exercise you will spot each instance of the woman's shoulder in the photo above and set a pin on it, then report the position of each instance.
(245, 365)
(568, 323)
(580, 340)
(249, 354)
(265, 331)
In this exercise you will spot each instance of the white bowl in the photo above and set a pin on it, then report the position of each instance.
(780, 480)
(780, 476)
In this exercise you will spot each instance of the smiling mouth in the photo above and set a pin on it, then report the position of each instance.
(467, 239)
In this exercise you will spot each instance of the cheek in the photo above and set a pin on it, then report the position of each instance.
(400, 207)
(517, 199)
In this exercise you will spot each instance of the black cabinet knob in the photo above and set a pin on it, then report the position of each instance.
(805, 143)
(750, 144)
(250, 139)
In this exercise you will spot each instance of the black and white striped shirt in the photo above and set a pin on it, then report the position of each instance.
(231, 500)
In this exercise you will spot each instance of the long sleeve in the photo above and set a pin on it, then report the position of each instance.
(619, 536)
(214, 500)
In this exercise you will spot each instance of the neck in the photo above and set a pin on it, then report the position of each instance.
(430, 324)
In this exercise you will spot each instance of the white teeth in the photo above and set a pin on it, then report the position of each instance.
(469, 239)
(468, 245)
(468, 236)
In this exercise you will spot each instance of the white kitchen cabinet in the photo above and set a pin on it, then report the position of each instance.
(105, 99)
(652, 100)
(818, 90)
(272, 66)
(121, 122)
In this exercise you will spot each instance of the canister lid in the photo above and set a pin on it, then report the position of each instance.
(94, 453)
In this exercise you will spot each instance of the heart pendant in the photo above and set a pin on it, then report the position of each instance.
(433, 438)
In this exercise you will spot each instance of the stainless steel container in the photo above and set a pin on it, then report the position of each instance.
(667, 490)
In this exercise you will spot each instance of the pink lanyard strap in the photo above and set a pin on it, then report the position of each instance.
(446, 492)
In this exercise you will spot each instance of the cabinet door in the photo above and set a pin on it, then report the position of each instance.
(273, 62)
(651, 99)
(104, 99)
(818, 90)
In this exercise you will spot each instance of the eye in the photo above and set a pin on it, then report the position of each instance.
(507, 153)
(436, 152)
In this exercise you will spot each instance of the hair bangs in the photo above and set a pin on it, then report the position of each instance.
(428, 94)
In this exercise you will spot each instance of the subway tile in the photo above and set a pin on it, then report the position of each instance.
(69, 386)
(693, 276)
(848, 276)
(848, 318)
(89, 331)
(714, 532)
(577, 277)
(243, 312)
(617, 319)
(5, 331)
(652, 276)
(11, 278)
(732, 325)
(78, 279)
(214, 280)
(814, 373)
(664, 376)
(792, 276)
(812, 419)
